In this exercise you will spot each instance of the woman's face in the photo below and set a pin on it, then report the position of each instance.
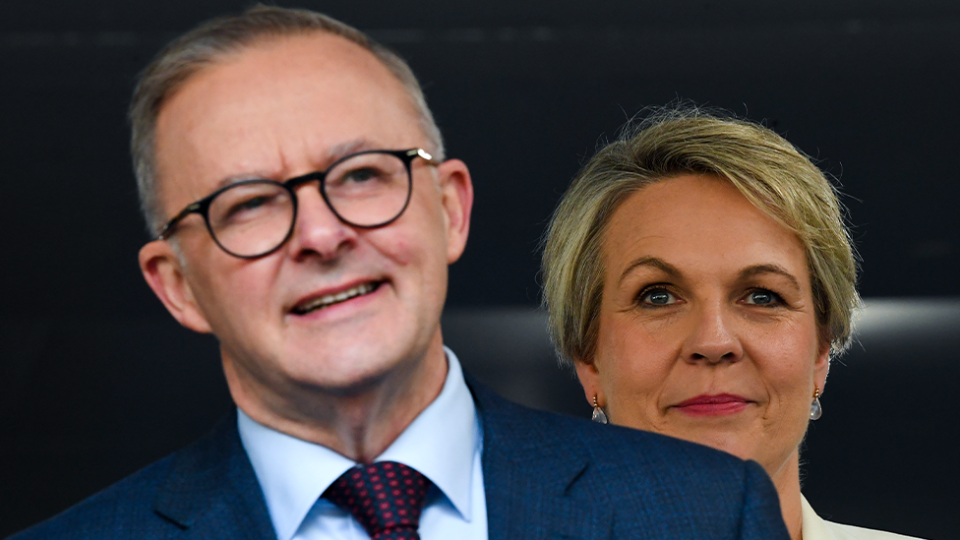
(707, 328)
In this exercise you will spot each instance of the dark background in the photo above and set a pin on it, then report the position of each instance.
(96, 380)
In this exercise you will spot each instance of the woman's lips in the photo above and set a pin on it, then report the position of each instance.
(716, 405)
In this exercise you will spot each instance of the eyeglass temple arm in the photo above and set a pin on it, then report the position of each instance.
(168, 228)
(423, 154)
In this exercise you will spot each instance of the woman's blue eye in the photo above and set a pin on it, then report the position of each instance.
(762, 298)
(658, 297)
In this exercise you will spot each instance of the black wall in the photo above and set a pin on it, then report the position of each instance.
(523, 93)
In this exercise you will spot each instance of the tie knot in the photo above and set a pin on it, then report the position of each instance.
(386, 498)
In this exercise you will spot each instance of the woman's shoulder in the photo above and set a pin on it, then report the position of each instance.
(817, 528)
(849, 532)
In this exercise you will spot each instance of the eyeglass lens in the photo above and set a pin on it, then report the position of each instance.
(253, 218)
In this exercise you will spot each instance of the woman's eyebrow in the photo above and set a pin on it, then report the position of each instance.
(752, 271)
(654, 262)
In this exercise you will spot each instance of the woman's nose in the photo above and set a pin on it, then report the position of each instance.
(712, 337)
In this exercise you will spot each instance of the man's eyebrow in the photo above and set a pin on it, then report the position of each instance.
(336, 152)
(755, 270)
(236, 178)
(344, 149)
(659, 264)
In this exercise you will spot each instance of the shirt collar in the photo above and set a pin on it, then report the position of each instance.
(440, 443)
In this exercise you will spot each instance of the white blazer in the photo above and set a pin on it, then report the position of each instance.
(816, 528)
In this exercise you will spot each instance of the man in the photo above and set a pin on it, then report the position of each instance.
(325, 290)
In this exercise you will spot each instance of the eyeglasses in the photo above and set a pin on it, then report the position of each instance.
(253, 218)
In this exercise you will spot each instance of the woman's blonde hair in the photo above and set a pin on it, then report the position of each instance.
(769, 171)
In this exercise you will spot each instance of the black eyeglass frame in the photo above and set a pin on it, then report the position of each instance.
(202, 206)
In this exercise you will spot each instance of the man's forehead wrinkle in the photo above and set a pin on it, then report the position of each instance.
(269, 162)
(346, 148)
(286, 168)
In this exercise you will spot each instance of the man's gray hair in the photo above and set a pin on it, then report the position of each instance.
(205, 45)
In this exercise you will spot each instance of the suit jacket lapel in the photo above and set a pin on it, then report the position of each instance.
(211, 490)
(530, 473)
(538, 483)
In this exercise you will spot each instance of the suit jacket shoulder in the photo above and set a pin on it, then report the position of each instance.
(553, 476)
(545, 475)
(207, 490)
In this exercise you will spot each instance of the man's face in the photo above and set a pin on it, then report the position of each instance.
(280, 109)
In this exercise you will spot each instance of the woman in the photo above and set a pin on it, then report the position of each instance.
(699, 277)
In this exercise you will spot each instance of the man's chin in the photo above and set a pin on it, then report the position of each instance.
(355, 369)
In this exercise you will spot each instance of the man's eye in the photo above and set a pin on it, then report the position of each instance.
(252, 203)
(657, 297)
(245, 208)
(762, 297)
(360, 176)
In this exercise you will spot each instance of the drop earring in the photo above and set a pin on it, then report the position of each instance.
(598, 415)
(815, 410)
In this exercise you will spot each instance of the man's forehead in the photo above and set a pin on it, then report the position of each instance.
(319, 49)
(310, 63)
(319, 94)
(282, 61)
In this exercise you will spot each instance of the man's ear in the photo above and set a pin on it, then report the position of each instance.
(456, 190)
(590, 380)
(161, 268)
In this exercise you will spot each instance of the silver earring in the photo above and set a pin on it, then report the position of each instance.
(598, 415)
(815, 410)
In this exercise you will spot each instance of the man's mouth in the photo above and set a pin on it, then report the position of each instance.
(328, 300)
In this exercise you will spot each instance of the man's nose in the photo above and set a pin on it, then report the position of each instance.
(318, 230)
(713, 338)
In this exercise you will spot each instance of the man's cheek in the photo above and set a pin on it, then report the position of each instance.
(398, 250)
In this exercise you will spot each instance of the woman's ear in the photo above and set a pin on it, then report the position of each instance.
(822, 366)
(589, 377)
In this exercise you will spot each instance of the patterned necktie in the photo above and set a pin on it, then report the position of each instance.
(386, 498)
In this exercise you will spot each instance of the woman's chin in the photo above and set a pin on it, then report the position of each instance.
(732, 433)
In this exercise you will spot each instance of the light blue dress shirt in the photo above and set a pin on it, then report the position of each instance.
(444, 443)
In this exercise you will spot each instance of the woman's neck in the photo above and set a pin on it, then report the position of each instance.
(787, 482)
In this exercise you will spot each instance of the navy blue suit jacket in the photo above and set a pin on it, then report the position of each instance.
(546, 476)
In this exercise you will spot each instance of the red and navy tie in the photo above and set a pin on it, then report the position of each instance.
(386, 498)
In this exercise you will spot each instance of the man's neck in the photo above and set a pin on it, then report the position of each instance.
(359, 425)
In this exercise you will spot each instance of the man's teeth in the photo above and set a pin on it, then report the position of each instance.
(330, 299)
